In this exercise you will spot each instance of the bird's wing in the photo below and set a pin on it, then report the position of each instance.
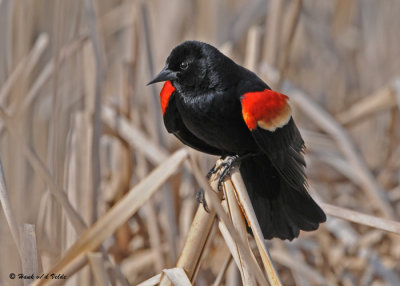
(174, 124)
(268, 116)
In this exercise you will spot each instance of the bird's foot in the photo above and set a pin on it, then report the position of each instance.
(212, 171)
(200, 195)
(201, 198)
(226, 168)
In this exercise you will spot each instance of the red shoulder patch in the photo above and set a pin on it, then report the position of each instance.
(267, 109)
(165, 94)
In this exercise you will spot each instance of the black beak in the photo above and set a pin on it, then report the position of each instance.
(164, 75)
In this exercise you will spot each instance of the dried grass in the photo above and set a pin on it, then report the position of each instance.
(97, 190)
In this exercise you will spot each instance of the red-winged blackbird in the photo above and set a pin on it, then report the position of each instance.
(218, 107)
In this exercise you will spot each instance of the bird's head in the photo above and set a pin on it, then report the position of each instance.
(190, 65)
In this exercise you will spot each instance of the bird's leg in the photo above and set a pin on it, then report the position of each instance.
(212, 171)
(200, 195)
(226, 167)
(201, 198)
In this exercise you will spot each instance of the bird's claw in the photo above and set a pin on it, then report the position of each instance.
(201, 198)
(213, 170)
(226, 167)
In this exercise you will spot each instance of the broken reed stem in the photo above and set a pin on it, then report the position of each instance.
(214, 202)
(238, 220)
(195, 241)
(247, 208)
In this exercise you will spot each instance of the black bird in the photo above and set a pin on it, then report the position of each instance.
(216, 106)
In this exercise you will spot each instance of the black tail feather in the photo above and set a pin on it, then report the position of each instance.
(281, 210)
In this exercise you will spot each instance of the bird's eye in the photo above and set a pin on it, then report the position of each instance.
(184, 65)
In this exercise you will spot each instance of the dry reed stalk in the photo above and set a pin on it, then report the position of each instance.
(247, 208)
(337, 162)
(98, 269)
(155, 236)
(137, 262)
(54, 124)
(8, 213)
(273, 24)
(25, 66)
(235, 214)
(297, 256)
(64, 54)
(177, 276)
(74, 171)
(155, 129)
(188, 206)
(230, 243)
(136, 138)
(92, 238)
(233, 276)
(250, 14)
(342, 16)
(151, 219)
(168, 203)
(195, 241)
(43, 77)
(82, 148)
(295, 10)
(223, 269)
(100, 71)
(155, 280)
(380, 100)
(305, 270)
(207, 251)
(124, 170)
(88, 135)
(76, 265)
(253, 48)
(38, 165)
(360, 218)
(21, 72)
(122, 127)
(201, 227)
(29, 250)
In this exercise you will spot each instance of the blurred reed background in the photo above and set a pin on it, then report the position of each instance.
(79, 128)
